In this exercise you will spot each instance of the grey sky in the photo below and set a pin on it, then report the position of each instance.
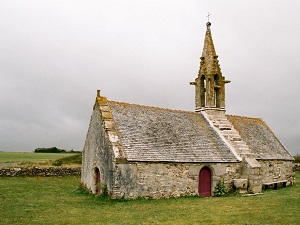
(55, 54)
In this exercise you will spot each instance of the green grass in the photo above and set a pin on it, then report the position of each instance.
(53, 200)
(30, 156)
(70, 159)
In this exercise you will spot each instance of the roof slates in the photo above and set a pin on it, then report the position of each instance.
(156, 134)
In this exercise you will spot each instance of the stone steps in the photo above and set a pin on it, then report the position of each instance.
(231, 134)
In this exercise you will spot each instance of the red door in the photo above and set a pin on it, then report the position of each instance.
(204, 186)
(98, 181)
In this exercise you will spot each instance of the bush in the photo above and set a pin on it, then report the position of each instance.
(220, 189)
(82, 189)
(73, 159)
(49, 150)
(104, 191)
(297, 158)
(57, 162)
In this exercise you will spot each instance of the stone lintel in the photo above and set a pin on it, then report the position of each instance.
(212, 111)
(209, 109)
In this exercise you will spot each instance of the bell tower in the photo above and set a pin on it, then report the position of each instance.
(210, 84)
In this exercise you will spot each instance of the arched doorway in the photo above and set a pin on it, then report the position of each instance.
(204, 186)
(98, 181)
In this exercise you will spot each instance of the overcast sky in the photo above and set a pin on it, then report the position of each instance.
(55, 54)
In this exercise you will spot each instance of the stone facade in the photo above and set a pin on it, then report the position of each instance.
(159, 180)
(140, 151)
(97, 154)
(165, 180)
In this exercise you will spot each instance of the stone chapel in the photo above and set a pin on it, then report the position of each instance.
(143, 151)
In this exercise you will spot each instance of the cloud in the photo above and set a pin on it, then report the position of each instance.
(54, 55)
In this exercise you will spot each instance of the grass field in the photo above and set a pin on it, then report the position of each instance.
(30, 156)
(53, 200)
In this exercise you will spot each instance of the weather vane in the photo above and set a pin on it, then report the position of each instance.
(208, 16)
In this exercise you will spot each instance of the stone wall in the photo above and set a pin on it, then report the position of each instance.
(276, 170)
(165, 180)
(97, 153)
(251, 170)
(40, 171)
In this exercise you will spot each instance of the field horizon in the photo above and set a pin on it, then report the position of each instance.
(58, 200)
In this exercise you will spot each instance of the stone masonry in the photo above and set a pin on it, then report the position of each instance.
(150, 152)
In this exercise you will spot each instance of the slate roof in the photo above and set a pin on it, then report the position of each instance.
(157, 134)
(260, 138)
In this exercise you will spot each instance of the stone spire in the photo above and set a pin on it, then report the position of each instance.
(209, 51)
(210, 84)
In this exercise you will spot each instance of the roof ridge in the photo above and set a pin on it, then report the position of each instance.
(154, 107)
(248, 117)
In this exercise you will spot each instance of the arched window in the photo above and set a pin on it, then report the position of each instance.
(202, 91)
(217, 91)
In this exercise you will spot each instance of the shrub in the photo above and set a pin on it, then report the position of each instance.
(73, 159)
(82, 189)
(220, 189)
(57, 162)
(297, 158)
(103, 187)
(49, 150)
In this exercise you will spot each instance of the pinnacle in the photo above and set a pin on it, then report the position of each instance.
(208, 49)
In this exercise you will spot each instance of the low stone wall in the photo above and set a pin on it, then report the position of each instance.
(40, 171)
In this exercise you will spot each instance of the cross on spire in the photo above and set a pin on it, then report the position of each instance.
(208, 16)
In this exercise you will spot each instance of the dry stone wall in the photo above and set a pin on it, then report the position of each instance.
(40, 171)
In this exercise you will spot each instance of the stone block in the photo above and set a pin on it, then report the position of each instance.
(241, 185)
(106, 115)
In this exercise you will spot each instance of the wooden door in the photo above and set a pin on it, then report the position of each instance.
(98, 181)
(204, 186)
